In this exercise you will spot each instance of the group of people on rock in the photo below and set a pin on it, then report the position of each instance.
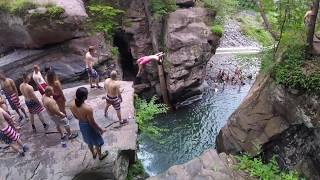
(54, 102)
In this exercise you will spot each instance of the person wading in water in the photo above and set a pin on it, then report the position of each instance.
(32, 102)
(11, 93)
(90, 130)
(114, 98)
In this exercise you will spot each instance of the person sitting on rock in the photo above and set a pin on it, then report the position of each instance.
(10, 90)
(32, 102)
(58, 117)
(90, 59)
(38, 79)
(113, 97)
(90, 130)
(146, 59)
(10, 137)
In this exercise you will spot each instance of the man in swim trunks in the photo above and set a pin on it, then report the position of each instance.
(114, 98)
(10, 137)
(58, 117)
(11, 93)
(32, 102)
(90, 59)
(146, 59)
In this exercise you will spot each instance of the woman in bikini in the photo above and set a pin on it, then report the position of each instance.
(58, 95)
(90, 130)
(38, 79)
(146, 59)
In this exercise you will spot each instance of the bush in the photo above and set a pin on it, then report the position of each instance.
(17, 7)
(267, 60)
(289, 72)
(55, 11)
(221, 8)
(256, 168)
(247, 4)
(162, 7)
(135, 170)
(145, 113)
(104, 18)
(115, 52)
(217, 30)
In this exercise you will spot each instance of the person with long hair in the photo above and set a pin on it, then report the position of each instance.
(58, 95)
(38, 79)
(90, 130)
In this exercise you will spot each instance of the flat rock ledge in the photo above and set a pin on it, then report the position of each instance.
(47, 159)
(209, 166)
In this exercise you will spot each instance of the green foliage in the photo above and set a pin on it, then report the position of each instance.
(221, 8)
(290, 71)
(270, 171)
(104, 18)
(135, 170)
(162, 7)
(17, 7)
(267, 60)
(247, 4)
(254, 30)
(54, 11)
(115, 52)
(145, 113)
(217, 30)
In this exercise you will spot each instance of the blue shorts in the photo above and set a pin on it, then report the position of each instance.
(92, 73)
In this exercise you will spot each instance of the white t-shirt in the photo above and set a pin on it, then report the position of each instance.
(89, 59)
(37, 77)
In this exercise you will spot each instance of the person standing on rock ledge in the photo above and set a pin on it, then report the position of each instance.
(90, 130)
(58, 117)
(32, 102)
(11, 93)
(90, 59)
(38, 79)
(113, 97)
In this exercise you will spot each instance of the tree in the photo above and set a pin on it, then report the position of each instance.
(311, 26)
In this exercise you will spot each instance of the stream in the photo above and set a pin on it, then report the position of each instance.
(192, 130)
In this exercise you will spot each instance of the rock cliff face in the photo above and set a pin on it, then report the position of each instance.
(279, 121)
(36, 28)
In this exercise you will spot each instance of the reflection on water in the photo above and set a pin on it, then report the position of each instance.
(190, 131)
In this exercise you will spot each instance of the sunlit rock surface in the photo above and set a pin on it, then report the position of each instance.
(47, 159)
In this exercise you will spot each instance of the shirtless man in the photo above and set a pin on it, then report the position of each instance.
(307, 17)
(32, 102)
(10, 137)
(113, 97)
(11, 94)
(58, 117)
(90, 59)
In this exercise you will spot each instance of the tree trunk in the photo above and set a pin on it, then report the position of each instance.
(266, 23)
(312, 26)
(155, 46)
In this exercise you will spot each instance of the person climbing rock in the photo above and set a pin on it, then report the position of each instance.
(58, 117)
(10, 137)
(38, 79)
(32, 102)
(10, 90)
(146, 59)
(90, 130)
(90, 59)
(113, 98)
(58, 95)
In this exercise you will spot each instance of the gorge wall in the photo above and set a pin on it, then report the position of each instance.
(275, 120)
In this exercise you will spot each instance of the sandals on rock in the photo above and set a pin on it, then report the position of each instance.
(104, 155)
(73, 136)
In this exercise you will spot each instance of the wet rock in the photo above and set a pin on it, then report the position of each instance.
(67, 59)
(272, 119)
(48, 160)
(187, 40)
(34, 29)
(210, 165)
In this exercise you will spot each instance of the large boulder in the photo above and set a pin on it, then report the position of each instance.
(278, 121)
(36, 27)
(67, 59)
(190, 44)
